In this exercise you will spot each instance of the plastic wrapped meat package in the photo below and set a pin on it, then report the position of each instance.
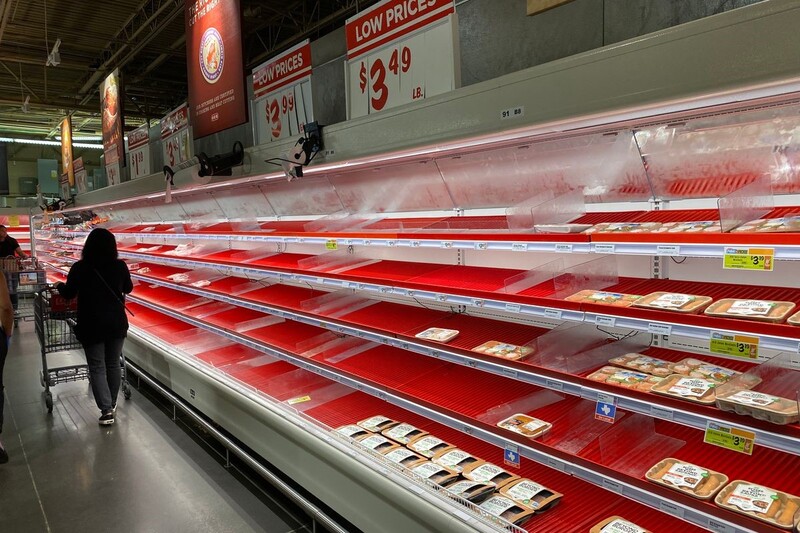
(775, 312)
(769, 391)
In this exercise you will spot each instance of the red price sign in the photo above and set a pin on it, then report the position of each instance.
(176, 148)
(399, 63)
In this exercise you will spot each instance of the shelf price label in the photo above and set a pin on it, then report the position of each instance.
(331, 245)
(734, 345)
(736, 439)
(762, 259)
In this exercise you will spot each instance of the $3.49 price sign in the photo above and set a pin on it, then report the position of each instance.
(382, 80)
(176, 148)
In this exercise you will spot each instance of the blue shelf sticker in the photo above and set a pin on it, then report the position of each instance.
(606, 408)
(511, 455)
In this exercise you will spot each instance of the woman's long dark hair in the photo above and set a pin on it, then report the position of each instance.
(100, 247)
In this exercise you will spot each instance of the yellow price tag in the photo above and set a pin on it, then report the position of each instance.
(331, 245)
(13, 221)
(749, 259)
(738, 440)
(734, 345)
(299, 399)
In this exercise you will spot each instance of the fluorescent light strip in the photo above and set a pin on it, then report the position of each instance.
(42, 142)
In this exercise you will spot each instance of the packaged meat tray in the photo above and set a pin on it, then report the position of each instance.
(428, 445)
(405, 457)
(625, 378)
(591, 296)
(670, 301)
(625, 227)
(787, 224)
(488, 473)
(695, 368)
(377, 423)
(436, 473)
(377, 443)
(454, 459)
(525, 425)
(438, 334)
(762, 310)
(504, 350)
(507, 509)
(561, 228)
(762, 503)
(693, 480)
(762, 406)
(702, 226)
(403, 433)
(794, 319)
(531, 494)
(617, 524)
(643, 363)
(471, 490)
(352, 431)
(696, 390)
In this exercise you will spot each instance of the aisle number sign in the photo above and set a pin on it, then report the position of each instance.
(176, 140)
(734, 345)
(139, 151)
(736, 439)
(400, 51)
(282, 90)
(749, 259)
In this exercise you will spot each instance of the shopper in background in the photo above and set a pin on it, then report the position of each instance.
(9, 246)
(100, 280)
(6, 327)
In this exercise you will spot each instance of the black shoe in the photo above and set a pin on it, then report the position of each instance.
(106, 418)
(3, 455)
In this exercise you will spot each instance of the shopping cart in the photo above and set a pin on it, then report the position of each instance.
(55, 319)
(25, 277)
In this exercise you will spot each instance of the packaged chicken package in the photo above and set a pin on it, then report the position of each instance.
(377, 423)
(615, 299)
(673, 301)
(627, 379)
(531, 494)
(761, 310)
(617, 524)
(762, 503)
(525, 425)
(695, 368)
(767, 407)
(696, 481)
(643, 363)
(697, 390)
(488, 473)
(506, 508)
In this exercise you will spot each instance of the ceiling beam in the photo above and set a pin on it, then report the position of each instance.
(19, 80)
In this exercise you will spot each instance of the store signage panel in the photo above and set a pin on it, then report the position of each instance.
(176, 137)
(762, 259)
(139, 151)
(113, 173)
(399, 51)
(66, 151)
(81, 182)
(112, 115)
(214, 65)
(282, 89)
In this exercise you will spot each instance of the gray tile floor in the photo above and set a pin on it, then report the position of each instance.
(143, 474)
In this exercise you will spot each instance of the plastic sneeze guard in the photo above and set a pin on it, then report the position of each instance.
(546, 209)
(536, 276)
(634, 445)
(527, 404)
(596, 274)
(334, 262)
(751, 202)
(269, 320)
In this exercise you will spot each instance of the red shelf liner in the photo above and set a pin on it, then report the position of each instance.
(227, 355)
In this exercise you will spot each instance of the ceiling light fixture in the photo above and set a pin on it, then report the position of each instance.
(54, 58)
(42, 142)
(26, 105)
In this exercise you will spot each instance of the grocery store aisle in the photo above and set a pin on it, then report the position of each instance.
(144, 473)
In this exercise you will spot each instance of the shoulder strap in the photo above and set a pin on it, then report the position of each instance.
(116, 296)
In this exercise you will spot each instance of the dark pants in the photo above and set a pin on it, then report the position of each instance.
(105, 371)
(3, 354)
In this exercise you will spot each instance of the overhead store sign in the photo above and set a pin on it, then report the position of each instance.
(112, 114)
(215, 65)
(66, 152)
(139, 151)
(176, 139)
(282, 95)
(399, 51)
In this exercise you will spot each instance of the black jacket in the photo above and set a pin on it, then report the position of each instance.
(101, 314)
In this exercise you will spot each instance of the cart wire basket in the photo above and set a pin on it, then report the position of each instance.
(25, 278)
(55, 319)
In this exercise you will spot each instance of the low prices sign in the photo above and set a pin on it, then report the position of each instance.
(399, 51)
(139, 151)
(81, 183)
(282, 89)
(176, 139)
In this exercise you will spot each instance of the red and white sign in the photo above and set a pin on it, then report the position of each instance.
(282, 89)
(215, 66)
(139, 151)
(399, 51)
(81, 184)
(176, 138)
(113, 174)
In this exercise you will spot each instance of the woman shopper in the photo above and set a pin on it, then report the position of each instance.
(100, 280)
(6, 327)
